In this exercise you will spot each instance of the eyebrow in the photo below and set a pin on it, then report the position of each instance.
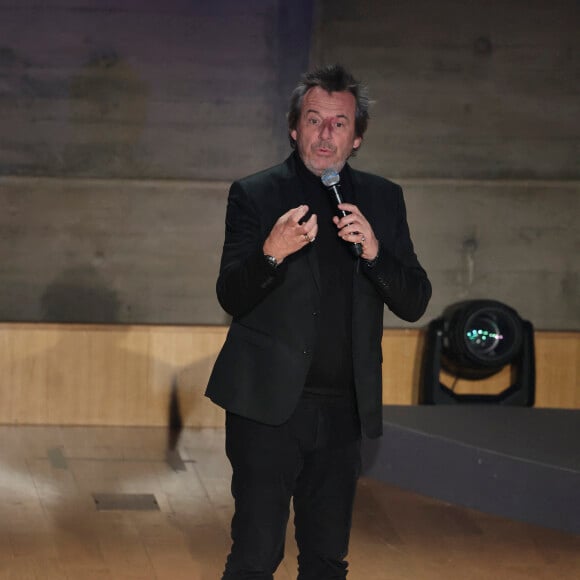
(341, 115)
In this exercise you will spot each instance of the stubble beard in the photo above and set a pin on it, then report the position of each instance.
(337, 165)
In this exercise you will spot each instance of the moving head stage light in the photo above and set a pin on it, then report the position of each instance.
(475, 340)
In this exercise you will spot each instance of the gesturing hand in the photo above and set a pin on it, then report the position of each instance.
(355, 228)
(288, 235)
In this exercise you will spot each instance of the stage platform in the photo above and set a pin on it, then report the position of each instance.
(516, 462)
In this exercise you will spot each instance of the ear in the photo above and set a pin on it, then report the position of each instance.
(294, 134)
(356, 143)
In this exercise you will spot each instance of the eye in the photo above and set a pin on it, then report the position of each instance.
(312, 121)
(339, 124)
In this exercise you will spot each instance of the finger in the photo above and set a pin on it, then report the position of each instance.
(350, 233)
(297, 213)
(312, 232)
(348, 207)
(310, 222)
(309, 237)
(306, 226)
(348, 224)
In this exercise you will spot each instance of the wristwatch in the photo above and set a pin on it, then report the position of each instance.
(271, 261)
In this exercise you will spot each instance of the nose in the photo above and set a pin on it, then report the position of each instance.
(326, 129)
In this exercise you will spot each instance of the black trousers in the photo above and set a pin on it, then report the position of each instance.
(313, 458)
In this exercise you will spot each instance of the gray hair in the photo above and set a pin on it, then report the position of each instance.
(333, 79)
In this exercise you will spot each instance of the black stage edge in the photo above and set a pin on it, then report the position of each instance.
(516, 462)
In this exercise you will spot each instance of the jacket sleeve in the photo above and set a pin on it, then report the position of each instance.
(397, 275)
(245, 278)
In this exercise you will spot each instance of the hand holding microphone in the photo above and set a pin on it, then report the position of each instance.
(351, 229)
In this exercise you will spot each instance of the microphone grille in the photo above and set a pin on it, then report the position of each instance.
(330, 177)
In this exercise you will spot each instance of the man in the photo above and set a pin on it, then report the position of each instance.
(300, 371)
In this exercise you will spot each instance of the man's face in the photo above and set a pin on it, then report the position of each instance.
(325, 134)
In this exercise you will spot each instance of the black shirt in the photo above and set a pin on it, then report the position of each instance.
(331, 371)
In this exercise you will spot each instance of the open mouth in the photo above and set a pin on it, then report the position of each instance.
(324, 150)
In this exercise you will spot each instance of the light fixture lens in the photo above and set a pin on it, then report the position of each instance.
(491, 335)
(483, 335)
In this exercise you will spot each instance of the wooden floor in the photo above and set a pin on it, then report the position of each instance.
(51, 527)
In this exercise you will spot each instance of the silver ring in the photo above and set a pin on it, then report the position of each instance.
(312, 239)
(362, 238)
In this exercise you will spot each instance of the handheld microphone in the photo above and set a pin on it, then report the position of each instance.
(331, 180)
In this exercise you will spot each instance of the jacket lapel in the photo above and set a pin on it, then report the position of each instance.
(292, 196)
(361, 195)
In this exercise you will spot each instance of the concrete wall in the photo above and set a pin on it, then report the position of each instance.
(477, 115)
(169, 89)
(122, 122)
(483, 89)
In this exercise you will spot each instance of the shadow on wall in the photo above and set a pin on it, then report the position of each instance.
(187, 402)
(175, 381)
(80, 294)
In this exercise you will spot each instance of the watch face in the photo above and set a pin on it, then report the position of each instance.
(271, 261)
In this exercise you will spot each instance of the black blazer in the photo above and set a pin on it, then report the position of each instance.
(261, 369)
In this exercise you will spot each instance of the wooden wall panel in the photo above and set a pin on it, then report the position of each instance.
(558, 370)
(557, 373)
(126, 375)
(93, 375)
(401, 366)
